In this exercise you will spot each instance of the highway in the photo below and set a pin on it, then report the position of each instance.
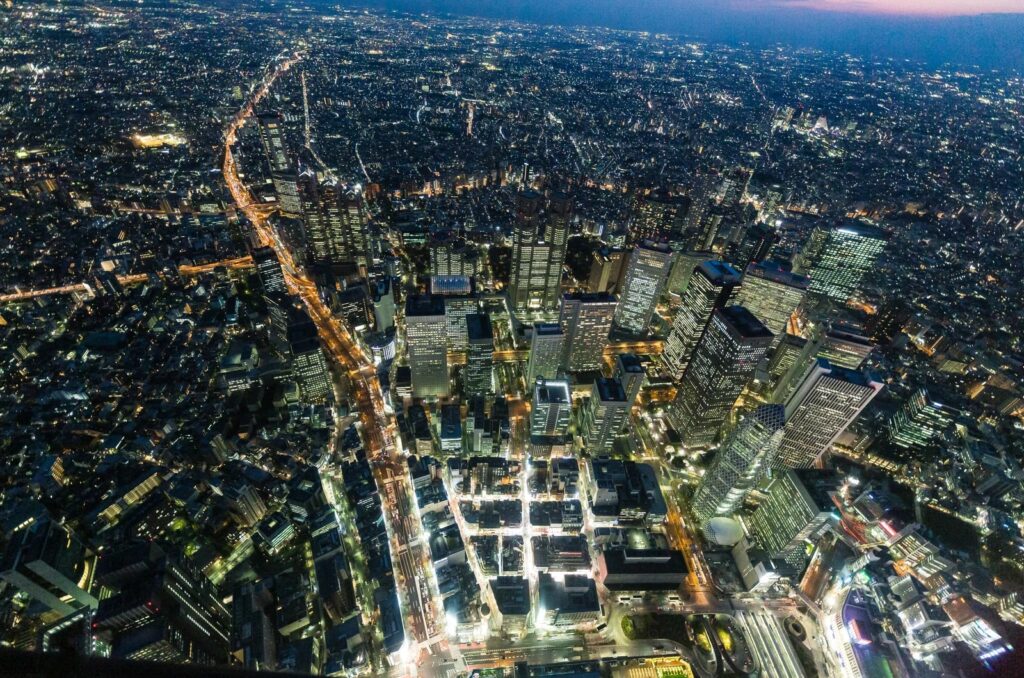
(424, 627)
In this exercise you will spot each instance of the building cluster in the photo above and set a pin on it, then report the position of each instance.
(454, 347)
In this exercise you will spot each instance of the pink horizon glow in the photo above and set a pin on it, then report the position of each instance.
(902, 7)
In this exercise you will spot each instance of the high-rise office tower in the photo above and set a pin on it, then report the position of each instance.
(46, 562)
(844, 346)
(682, 270)
(827, 401)
(550, 412)
(268, 268)
(605, 415)
(383, 295)
(540, 234)
(838, 258)
(658, 217)
(797, 509)
(456, 310)
(772, 294)
(546, 349)
(163, 607)
(711, 286)
(920, 422)
(282, 163)
(426, 331)
(345, 224)
(450, 254)
(309, 366)
(586, 320)
(739, 463)
(479, 372)
(787, 351)
(646, 275)
(607, 268)
(755, 246)
(701, 194)
(723, 362)
(630, 373)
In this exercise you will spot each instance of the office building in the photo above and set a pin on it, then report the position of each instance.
(796, 508)
(512, 596)
(604, 415)
(642, 569)
(607, 268)
(723, 362)
(426, 330)
(712, 286)
(268, 268)
(739, 463)
(540, 234)
(646, 275)
(567, 602)
(345, 226)
(308, 363)
(844, 346)
(547, 346)
(772, 295)
(837, 258)
(683, 266)
(586, 320)
(281, 162)
(826, 401)
(754, 246)
(658, 216)
(451, 255)
(630, 373)
(549, 416)
(701, 195)
(920, 422)
(456, 310)
(383, 296)
(478, 376)
(46, 562)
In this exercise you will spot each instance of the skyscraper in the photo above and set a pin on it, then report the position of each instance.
(755, 246)
(540, 234)
(646, 275)
(723, 362)
(546, 349)
(658, 216)
(796, 509)
(920, 422)
(451, 255)
(550, 412)
(844, 346)
(630, 374)
(335, 222)
(281, 162)
(695, 223)
(268, 268)
(479, 373)
(772, 294)
(682, 270)
(711, 286)
(827, 400)
(585, 320)
(838, 258)
(48, 563)
(739, 463)
(309, 366)
(607, 267)
(426, 339)
(605, 415)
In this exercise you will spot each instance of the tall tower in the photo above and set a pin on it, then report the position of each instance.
(426, 332)
(797, 508)
(549, 416)
(630, 373)
(838, 258)
(546, 350)
(345, 224)
(711, 286)
(658, 217)
(606, 270)
(723, 362)
(268, 268)
(740, 462)
(281, 163)
(309, 365)
(605, 415)
(827, 401)
(479, 372)
(538, 251)
(772, 294)
(586, 320)
(920, 422)
(648, 270)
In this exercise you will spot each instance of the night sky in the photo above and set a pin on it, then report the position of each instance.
(989, 35)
